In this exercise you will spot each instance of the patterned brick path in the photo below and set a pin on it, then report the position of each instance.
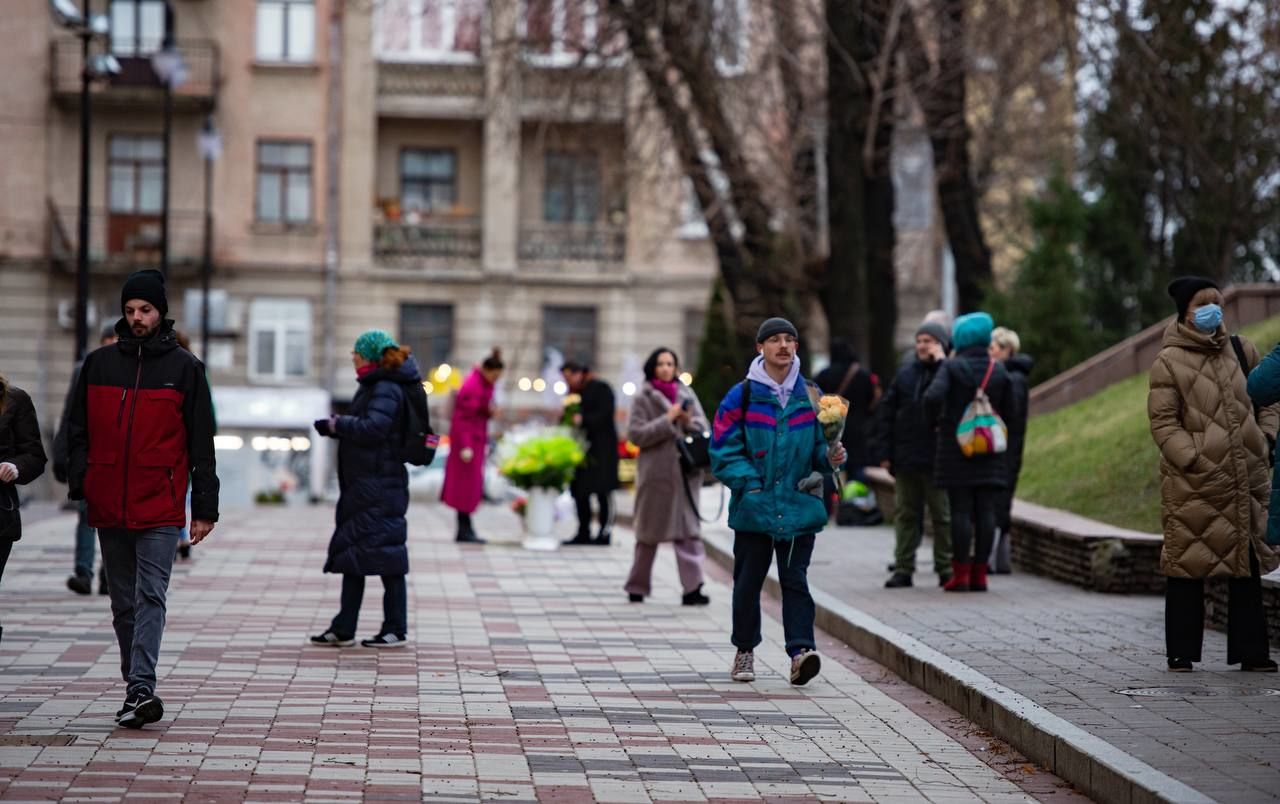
(529, 677)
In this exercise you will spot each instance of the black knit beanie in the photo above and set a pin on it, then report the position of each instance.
(1184, 289)
(775, 326)
(146, 285)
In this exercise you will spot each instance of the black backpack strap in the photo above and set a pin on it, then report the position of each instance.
(1238, 347)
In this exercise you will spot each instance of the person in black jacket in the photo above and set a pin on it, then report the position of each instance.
(371, 533)
(1005, 346)
(597, 477)
(81, 580)
(141, 431)
(973, 483)
(22, 460)
(907, 443)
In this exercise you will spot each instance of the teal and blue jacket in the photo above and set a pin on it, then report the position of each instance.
(761, 451)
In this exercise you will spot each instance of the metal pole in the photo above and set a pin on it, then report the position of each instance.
(164, 186)
(206, 268)
(82, 234)
(332, 203)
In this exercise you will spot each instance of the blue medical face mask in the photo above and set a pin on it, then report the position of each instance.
(1208, 318)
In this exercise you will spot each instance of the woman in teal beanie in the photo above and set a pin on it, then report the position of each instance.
(973, 483)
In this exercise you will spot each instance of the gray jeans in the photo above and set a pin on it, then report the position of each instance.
(84, 542)
(138, 564)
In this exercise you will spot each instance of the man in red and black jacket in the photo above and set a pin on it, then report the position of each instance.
(141, 426)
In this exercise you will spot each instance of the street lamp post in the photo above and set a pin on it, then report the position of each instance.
(172, 72)
(210, 149)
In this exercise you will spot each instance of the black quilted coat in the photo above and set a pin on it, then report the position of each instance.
(374, 486)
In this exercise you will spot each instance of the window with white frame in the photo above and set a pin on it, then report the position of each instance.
(286, 31)
(137, 27)
(729, 35)
(558, 32)
(135, 174)
(279, 339)
(284, 182)
(429, 30)
(428, 179)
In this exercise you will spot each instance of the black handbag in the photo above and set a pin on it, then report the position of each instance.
(10, 514)
(695, 452)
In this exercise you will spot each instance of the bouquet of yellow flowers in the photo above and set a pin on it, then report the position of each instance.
(832, 412)
(571, 406)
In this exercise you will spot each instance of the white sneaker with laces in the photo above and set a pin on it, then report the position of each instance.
(744, 666)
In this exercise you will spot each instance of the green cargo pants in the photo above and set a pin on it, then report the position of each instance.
(912, 493)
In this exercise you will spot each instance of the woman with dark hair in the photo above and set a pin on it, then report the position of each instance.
(665, 409)
(468, 439)
(370, 537)
(22, 459)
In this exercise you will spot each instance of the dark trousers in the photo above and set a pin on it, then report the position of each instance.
(1246, 618)
(973, 522)
(139, 563)
(464, 524)
(6, 547)
(752, 555)
(604, 502)
(395, 606)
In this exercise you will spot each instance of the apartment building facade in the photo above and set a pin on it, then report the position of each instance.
(450, 170)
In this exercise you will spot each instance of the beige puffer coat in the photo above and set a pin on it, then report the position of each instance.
(1215, 479)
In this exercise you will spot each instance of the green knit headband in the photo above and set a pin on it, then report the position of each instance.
(371, 344)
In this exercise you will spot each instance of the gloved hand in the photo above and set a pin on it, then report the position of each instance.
(325, 427)
(811, 484)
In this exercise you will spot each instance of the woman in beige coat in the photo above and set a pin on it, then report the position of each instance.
(1215, 479)
(664, 409)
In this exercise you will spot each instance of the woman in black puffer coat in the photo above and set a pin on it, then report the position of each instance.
(973, 484)
(22, 457)
(370, 538)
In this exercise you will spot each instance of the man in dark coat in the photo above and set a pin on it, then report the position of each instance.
(973, 483)
(141, 428)
(597, 477)
(370, 536)
(1005, 346)
(81, 580)
(846, 377)
(906, 441)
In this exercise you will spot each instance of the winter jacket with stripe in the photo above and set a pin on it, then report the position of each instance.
(141, 427)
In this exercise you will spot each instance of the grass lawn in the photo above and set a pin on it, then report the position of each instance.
(1096, 457)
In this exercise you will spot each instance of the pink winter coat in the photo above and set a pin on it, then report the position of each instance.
(469, 429)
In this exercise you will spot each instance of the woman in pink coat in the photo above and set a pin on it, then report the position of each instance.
(468, 438)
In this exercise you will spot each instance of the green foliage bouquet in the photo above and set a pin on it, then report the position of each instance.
(545, 459)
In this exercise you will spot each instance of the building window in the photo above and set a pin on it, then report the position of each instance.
(279, 339)
(428, 330)
(135, 174)
(284, 182)
(430, 30)
(286, 31)
(559, 31)
(729, 35)
(695, 321)
(571, 187)
(428, 179)
(571, 331)
(137, 27)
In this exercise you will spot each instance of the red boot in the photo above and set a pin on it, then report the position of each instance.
(959, 577)
(978, 583)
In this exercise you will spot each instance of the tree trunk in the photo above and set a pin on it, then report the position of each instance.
(844, 297)
(881, 237)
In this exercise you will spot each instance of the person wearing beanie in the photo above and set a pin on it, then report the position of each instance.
(143, 410)
(907, 447)
(370, 536)
(768, 449)
(81, 579)
(973, 483)
(1006, 347)
(1214, 454)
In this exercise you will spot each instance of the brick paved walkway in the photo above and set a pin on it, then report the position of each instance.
(529, 677)
(1070, 651)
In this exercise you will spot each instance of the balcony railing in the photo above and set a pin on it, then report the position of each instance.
(573, 243)
(126, 241)
(137, 83)
(401, 242)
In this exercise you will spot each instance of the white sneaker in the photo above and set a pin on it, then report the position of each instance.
(744, 666)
